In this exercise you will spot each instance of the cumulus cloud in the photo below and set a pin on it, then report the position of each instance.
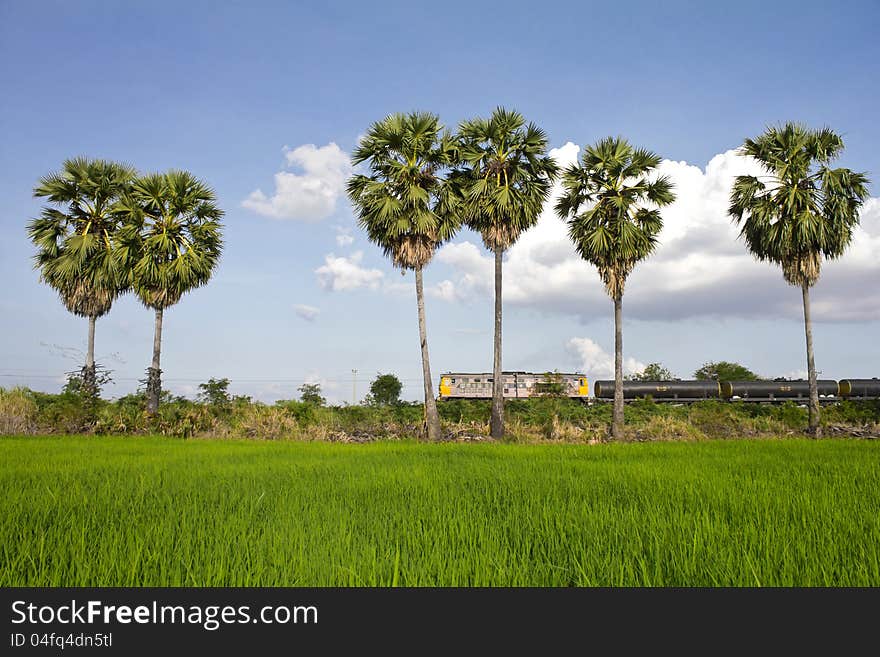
(597, 363)
(475, 273)
(340, 273)
(308, 313)
(310, 195)
(700, 268)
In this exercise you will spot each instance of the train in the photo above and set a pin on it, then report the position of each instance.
(517, 385)
(575, 385)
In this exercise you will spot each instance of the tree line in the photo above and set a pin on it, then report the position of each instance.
(494, 175)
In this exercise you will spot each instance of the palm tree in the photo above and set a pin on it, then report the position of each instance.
(612, 201)
(406, 207)
(505, 180)
(171, 244)
(799, 212)
(75, 241)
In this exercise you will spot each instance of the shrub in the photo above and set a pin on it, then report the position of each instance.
(266, 422)
(68, 412)
(18, 411)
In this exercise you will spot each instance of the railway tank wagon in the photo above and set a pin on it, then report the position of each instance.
(777, 390)
(517, 385)
(680, 391)
(860, 388)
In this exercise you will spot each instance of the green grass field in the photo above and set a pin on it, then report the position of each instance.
(163, 512)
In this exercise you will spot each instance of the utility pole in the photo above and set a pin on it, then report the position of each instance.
(354, 387)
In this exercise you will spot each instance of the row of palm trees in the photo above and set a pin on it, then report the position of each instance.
(494, 176)
(108, 230)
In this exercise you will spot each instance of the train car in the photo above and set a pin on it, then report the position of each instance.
(860, 388)
(681, 391)
(517, 385)
(777, 390)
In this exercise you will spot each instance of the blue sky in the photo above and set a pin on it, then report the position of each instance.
(234, 92)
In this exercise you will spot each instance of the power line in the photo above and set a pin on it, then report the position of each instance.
(205, 378)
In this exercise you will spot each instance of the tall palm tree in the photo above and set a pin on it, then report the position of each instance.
(505, 180)
(75, 241)
(171, 244)
(799, 212)
(612, 202)
(406, 206)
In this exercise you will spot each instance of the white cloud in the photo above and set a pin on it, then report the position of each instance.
(308, 313)
(344, 237)
(700, 267)
(310, 195)
(340, 274)
(597, 363)
(475, 272)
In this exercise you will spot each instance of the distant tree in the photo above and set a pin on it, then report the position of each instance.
(800, 212)
(215, 392)
(384, 390)
(612, 202)
(310, 393)
(725, 371)
(652, 372)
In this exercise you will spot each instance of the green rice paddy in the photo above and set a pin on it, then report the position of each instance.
(98, 511)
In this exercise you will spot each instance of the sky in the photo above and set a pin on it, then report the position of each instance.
(266, 100)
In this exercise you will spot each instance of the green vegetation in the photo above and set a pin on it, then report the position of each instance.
(215, 392)
(725, 371)
(652, 372)
(160, 512)
(384, 390)
(539, 419)
(310, 393)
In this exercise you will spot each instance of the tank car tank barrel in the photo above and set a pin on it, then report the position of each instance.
(777, 389)
(660, 389)
(860, 388)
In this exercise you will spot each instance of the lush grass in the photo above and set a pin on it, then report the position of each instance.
(159, 511)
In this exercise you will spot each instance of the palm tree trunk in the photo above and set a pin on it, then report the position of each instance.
(89, 379)
(617, 417)
(154, 374)
(497, 422)
(432, 418)
(814, 429)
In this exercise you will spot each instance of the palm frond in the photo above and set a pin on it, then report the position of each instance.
(611, 201)
(807, 211)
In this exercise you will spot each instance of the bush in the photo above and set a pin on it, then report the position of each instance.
(268, 422)
(68, 412)
(18, 411)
